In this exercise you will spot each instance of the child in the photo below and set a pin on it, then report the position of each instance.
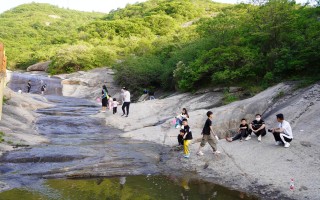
(186, 138)
(207, 133)
(110, 103)
(180, 137)
(242, 132)
(179, 118)
(115, 105)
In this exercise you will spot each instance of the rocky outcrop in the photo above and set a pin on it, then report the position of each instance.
(43, 66)
(18, 120)
(259, 167)
(89, 84)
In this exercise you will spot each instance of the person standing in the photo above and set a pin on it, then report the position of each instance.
(283, 134)
(258, 127)
(208, 135)
(186, 138)
(126, 101)
(115, 105)
(104, 98)
(43, 89)
(29, 86)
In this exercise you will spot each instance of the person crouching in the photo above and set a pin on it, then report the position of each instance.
(282, 134)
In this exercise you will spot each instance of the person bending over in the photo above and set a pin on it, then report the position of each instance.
(258, 127)
(242, 132)
(283, 134)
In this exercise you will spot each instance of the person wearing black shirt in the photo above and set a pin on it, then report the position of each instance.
(186, 138)
(208, 135)
(180, 137)
(258, 127)
(242, 132)
(43, 89)
(29, 86)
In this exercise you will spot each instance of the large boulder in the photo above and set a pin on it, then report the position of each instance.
(43, 66)
(89, 84)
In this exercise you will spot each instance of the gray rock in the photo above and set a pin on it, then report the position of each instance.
(235, 89)
(43, 66)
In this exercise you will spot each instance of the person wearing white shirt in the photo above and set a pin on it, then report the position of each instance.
(126, 99)
(282, 134)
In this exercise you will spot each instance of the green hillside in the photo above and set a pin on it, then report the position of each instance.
(172, 44)
(33, 32)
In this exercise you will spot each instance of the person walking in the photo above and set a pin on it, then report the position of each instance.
(29, 86)
(208, 135)
(126, 101)
(104, 98)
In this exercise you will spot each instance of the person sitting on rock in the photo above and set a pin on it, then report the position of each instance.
(181, 117)
(283, 134)
(258, 127)
(243, 131)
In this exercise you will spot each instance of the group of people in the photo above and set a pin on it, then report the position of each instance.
(43, 87)
(282, 134)
(185, 135)
(112, 103)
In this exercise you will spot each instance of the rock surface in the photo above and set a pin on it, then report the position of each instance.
(89, 84)
(262, 167)
(18, 120)
(43, 66)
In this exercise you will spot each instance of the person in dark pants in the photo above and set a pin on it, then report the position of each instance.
(29, 86)
(104, 98)
(242, 132)
(115, 105)
(258, 127)
(126, 98)
(283, 134)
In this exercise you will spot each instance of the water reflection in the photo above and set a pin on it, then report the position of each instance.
(133, 187)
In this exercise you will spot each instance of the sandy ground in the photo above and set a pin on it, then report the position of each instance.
(18, 120)
(251, 166)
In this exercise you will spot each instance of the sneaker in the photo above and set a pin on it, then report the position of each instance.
(177, 126)
(259, 138)
(286, 145)
(278, 143)
(187, 156)
(127, 116)
(216, 152)
(229, 139)
(103, 111)
(200, 153)
(248, 138)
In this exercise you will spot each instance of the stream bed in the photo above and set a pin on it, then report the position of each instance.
(87, 160)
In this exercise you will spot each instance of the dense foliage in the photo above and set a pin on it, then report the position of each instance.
(170, 44)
